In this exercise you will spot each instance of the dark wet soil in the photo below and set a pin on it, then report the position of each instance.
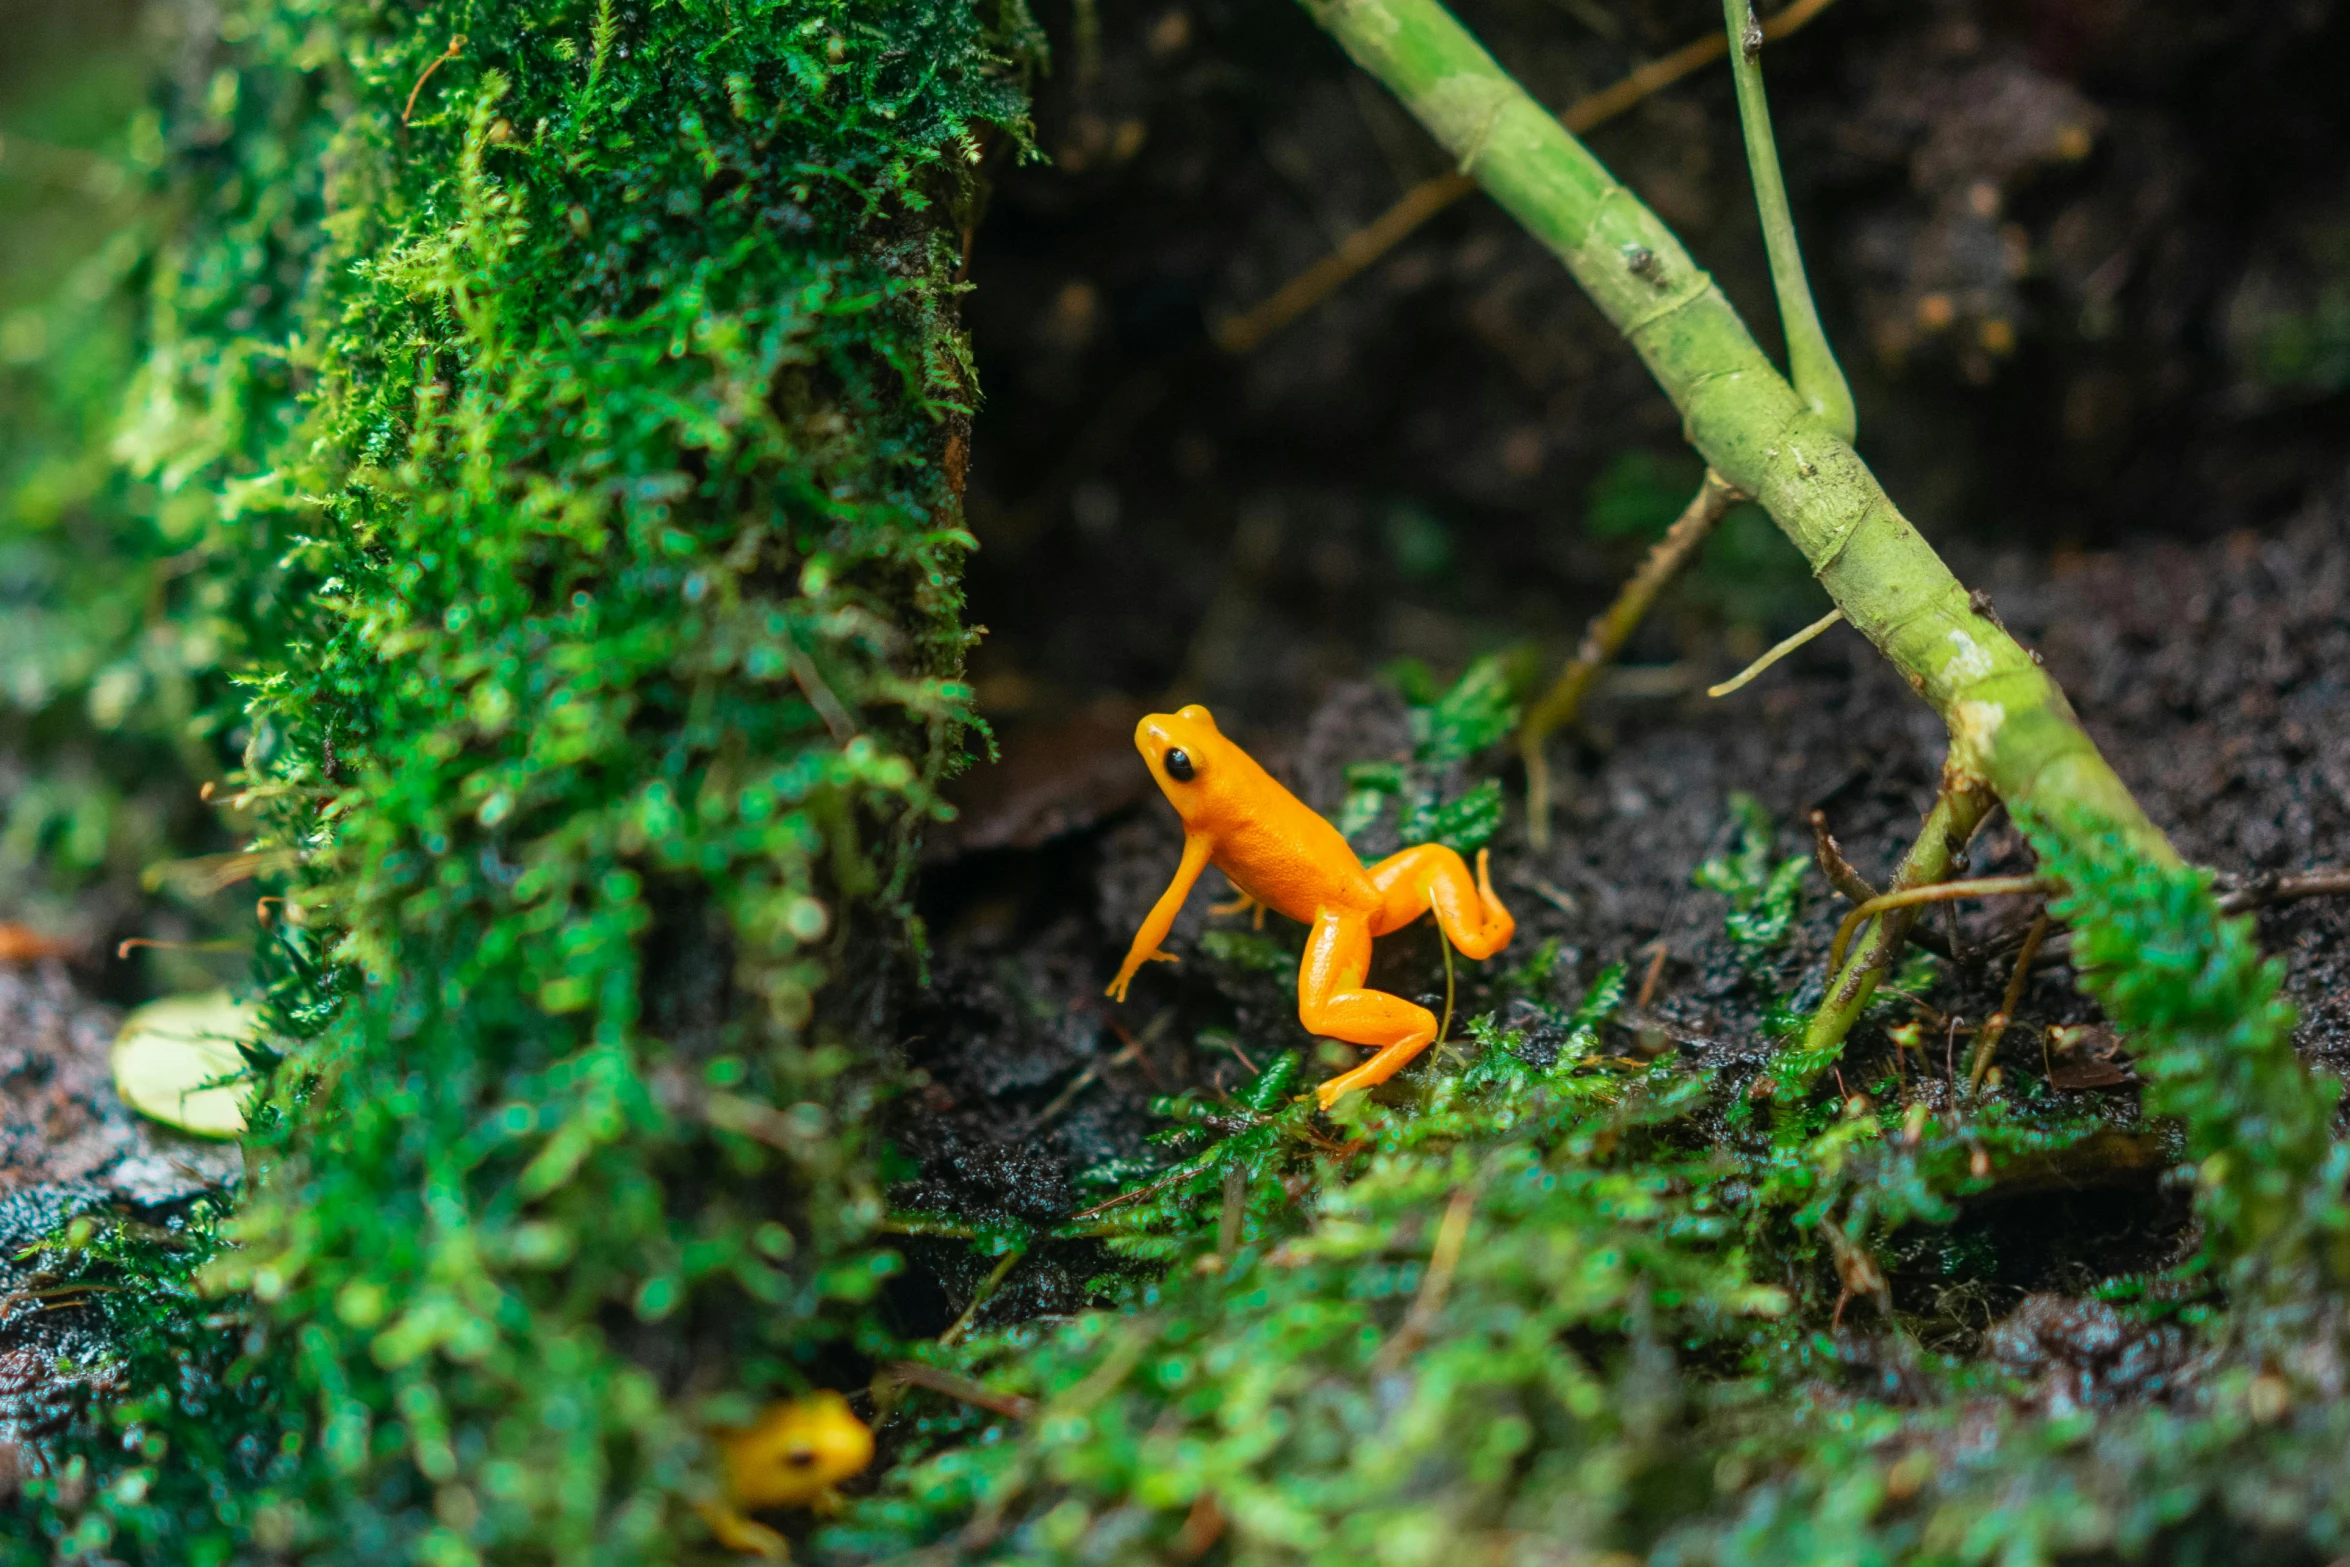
(68, 1147)
(2138, 205)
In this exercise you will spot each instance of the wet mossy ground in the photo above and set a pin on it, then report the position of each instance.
(1680, 1325)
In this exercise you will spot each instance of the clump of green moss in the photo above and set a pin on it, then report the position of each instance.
(2216, 1037)
(572, 398)
(1457, 1328)
(1450, 726)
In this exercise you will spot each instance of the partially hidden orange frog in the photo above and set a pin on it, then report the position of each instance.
(1282, 855)
(790, 1457)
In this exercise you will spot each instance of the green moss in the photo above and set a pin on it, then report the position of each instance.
(1325, 1391)
(1449, 727)
(2215, 1040)
(1763, 897)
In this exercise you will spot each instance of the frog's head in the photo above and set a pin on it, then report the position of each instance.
(795, 1452)
(1184, 751)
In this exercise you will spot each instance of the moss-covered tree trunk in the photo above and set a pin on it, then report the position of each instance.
(574, 395)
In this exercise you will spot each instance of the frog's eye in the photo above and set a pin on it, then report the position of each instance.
(1179, 765)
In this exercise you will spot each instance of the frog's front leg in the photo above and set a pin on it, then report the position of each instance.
(738, 1533)
(1161, 919)
(1332, 1002)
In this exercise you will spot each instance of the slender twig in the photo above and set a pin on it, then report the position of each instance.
(820, 694)
(1357, 253)
(1811, 364)
(1604, 638)
(1181, 1172)
(1779, 650)
(1234, 1209)
(914, 1373)
(2264, 891)
(1848, 882)
(985, 1293)
(130, 944)
(1857, 1273)
(1656, 969)
(1996, 1025)
(1095, 1068)
(1451, 1233)
(1444, 1029)
(1940, 892)
(1853, 887)
(1202, 1527)
(2261, 892)
(1556, 897)
(1068, 1096)
(1233, 1045)
(444, 57)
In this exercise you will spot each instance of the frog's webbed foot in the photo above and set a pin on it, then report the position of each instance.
(1117, 987)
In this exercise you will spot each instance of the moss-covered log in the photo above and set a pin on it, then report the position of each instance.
(574, 394)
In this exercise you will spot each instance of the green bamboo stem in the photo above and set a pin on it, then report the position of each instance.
(2010, 725)
(1819, 380)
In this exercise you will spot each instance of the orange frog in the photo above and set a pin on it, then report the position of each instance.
(1282, 855)
(790, 1457)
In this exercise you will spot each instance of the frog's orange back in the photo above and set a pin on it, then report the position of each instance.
(1273, 845)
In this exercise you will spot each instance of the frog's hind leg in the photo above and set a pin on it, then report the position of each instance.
(1432, 877)
(1332, 1002)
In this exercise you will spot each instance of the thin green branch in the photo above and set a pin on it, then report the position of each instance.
(1819, 380)
(1746, 677)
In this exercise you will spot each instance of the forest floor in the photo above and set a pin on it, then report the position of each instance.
(2068, 370)
(2216, 678)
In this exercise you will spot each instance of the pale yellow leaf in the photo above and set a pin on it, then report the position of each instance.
(176, 1060)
